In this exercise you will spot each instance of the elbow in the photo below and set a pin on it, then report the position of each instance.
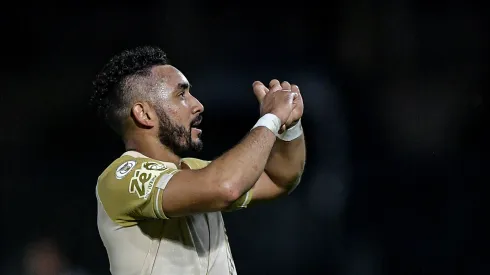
(228, 193)
(293, 184)
(296, 179)
(224, 189)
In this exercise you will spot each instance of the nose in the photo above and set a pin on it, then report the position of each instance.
(197, 107)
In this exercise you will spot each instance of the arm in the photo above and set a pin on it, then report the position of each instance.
(283, 170)
(287, 159)
(286, 162)
(225, 180)
(148, 191)
(223, 184)
(139, 188)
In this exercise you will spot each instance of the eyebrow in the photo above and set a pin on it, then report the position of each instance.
(183, 86)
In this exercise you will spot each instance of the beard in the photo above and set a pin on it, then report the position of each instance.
(176, 137)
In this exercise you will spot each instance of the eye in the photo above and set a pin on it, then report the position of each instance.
(182, 94)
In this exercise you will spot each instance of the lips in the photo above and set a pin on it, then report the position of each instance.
(196, 122)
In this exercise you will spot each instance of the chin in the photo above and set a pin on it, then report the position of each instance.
(196, 141)
(197, 145)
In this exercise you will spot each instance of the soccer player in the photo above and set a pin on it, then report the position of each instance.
(159, 213)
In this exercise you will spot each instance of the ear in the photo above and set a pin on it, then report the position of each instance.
(144, 115)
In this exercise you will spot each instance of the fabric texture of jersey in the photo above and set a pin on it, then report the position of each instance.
(140, 239)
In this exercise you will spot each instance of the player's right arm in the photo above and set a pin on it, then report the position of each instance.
(135, 188)
(217, 186)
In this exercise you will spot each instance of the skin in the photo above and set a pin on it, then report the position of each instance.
(261, 162)
(181, 108)
(286, 161)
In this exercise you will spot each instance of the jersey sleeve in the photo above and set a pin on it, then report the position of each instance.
(241, 203)
(131, 189)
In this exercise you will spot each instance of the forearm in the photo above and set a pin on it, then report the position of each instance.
(241, 166)
(286, 162)
(217, 186)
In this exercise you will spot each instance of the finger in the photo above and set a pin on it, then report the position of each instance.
(291, 97)
(295, 89)
(283, 128)
(259, 90)
(286, 86)
(274, 82)
(275, 85)
(261, 84)
(295, 95)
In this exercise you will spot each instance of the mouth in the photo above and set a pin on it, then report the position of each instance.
(195, 123)
(196, 131)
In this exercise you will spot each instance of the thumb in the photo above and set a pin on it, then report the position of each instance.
(260, 90)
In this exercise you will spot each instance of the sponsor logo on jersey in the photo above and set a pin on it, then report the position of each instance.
(125, 168)
(144, 178)
(154, 166)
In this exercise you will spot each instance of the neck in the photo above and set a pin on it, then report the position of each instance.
(151, 147)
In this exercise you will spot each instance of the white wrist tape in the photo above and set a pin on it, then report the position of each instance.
(270, 121)
(292, 133)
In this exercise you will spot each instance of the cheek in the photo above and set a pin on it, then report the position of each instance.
(177, 115)
(172, 112)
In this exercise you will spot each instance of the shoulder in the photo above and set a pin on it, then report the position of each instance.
(126, 164)
(132, 172)
(195, 163)
(126, 187)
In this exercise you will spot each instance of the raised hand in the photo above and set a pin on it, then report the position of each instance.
(275, 100)
(261, 91)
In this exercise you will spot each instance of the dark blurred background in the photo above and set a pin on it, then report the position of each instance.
(395, 120)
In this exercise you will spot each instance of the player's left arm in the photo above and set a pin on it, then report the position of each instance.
(286, 162)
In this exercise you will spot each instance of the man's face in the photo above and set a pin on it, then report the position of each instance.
(179, 113)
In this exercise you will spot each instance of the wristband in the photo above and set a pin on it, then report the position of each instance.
(270, 121)
(292, 133)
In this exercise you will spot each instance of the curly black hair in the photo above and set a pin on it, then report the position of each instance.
(114, 82)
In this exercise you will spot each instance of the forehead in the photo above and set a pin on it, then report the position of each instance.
(170, 75)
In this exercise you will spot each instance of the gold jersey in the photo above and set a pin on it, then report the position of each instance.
(140, 239)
